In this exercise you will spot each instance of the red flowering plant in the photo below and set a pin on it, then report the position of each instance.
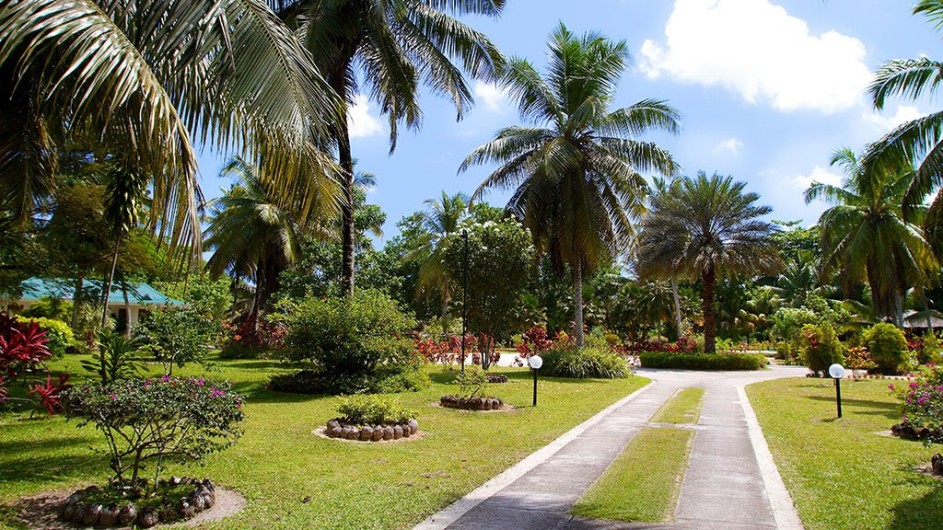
(24, 350)
(922, 406)
(157, 420)
(533, 341)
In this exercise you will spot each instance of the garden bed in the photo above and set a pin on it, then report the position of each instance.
(703, 361)
(337, 428)
(478, 403)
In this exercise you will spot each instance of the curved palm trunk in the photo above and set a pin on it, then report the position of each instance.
(709, 280)
(677, 302)
(346, 160)
(577, 271)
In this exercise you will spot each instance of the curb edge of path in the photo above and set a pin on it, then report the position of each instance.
(784, 510)
(448, 515)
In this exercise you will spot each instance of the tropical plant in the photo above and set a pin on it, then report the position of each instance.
(576, 172)
(865, 235)
(819, 347)
(143, 78)
(177, 336)
(705, 228)
(125, 192)
(250, 235)
(118, 357)
(888, 347)
(392, 46)
(917, 145)
(23, 349)
(441, 218)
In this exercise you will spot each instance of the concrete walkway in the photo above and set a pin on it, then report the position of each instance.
(731, 481)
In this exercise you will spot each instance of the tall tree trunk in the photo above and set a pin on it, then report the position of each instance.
(577, 271)
(127, 309)
(677, 301)
(709, 281)
(106, 289)
(346, 161)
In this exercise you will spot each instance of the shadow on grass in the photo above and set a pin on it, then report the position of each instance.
(890, 411)
(925, 512)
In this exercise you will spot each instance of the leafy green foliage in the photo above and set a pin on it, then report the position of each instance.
(703, 361)
(584, 363)
(888, 347)
(118, 357)
(374, 410)
(177, 336)
(819, 347)
(164, 419)
(471, 382)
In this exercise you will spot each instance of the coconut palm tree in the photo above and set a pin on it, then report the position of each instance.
(915, 147)
(706, 228)
(575, 172)
(441, 218)
(250, 235)
(865, 235)
(393, 46)
(145, 77)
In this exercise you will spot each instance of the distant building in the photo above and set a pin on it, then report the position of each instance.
(916, 321)
(127, 301)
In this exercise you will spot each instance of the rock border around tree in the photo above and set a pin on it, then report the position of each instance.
(472, 403)
(338, 429)
(173, 510)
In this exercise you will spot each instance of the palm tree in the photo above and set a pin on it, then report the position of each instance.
(865, 236)
(441, 218)
(576, 171)
(915, 147)
(706, 228)
(251, 236)
(395, 45)
(124, 196)
(144, 77)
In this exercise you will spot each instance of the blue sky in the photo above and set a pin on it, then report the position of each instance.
(767, 89)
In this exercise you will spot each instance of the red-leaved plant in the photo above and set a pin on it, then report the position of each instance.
(24, 349)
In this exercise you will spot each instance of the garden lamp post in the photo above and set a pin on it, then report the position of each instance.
(535, 362)
(837, 372)
(464, 294)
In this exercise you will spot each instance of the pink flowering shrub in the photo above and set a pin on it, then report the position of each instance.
(922, 399)
(157, 420)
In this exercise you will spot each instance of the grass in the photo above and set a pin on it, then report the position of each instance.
(643, 484)
(279, 463)
(682, 409)
(843, 473)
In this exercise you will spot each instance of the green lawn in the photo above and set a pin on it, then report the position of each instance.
(279, 463)
(643, 484)
(682, 409)
(844, 473)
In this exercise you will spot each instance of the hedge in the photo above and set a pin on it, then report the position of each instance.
(703, 361)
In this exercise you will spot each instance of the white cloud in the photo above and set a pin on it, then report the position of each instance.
(903, 114)
(359, 120)
(730, 145)
(757, 49)
(818, 174)
(494, 98)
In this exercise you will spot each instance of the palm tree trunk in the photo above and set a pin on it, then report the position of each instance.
(77, 300)
(106, 289)
(677, 301)
(709, 280)
(346, 161)
(577, 271)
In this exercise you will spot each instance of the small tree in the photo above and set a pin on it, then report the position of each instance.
(499, 259)
(182, 419)
(177, 336)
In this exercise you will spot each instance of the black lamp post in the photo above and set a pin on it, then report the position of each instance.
(837, 371)
(464, 294)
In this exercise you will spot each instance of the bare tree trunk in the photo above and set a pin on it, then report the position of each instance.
(677, 301)
(346, 161)
(709, 279)
(106, 289)
(577, 271)
(77, 300)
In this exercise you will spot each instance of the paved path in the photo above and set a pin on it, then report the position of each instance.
(731, 481)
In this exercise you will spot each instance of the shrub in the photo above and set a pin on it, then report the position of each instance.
(471, 382)
(584, 363)
(252, 338)
(819, 347)
(922, 405)
(888, 347)
(178, 419)
(117, 357)
(23, 349)
(703, 361)
(385, 380)
(59, 334)
(373, 410)
(927, 348)
(858, 358)
(177, 336)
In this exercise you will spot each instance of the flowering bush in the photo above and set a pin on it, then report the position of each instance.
(534, 341)
(858, 358)
(180, 419)
(250, 336)
(888, 347)
(922, 399)
(819, 347)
